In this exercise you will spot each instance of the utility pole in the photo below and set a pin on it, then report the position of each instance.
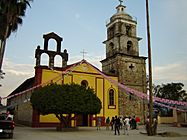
(150, 72)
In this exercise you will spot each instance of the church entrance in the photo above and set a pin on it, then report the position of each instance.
(82, 120)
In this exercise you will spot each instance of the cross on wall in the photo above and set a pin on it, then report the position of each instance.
(131, 67)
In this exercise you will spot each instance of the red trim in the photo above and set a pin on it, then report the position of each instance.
(86, 72)
(102, 120)
(71, 78)
(62, 79)
(90, 120)
(38, 80)
(35, 119)
(103, 97)
(38, 76)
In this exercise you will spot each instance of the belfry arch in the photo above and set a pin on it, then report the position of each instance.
(50, 53)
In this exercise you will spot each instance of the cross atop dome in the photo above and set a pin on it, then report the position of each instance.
(121, 1)
(120, 8)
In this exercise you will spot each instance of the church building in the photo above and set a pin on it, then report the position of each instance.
(82, 73)
(122, 64)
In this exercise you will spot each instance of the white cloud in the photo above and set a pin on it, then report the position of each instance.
(10, 67)
(18, 73)
(15, 74)
(176, 72)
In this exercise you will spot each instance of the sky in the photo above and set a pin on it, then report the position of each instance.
(82, 25)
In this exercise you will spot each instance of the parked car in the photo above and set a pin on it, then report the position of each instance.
(6, 125)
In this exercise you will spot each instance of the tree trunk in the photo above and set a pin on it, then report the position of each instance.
(64, 121)
(5, 35)
(60, 126)
(2, 51)
(2, 46)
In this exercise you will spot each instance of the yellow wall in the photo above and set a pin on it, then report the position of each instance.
(49, 118)
(166, 120)
(95, 81)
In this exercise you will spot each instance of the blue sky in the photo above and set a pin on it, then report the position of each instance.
(82, 24)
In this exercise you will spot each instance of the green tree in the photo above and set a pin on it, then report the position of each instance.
(11, 13)
(171, 91)
(65, 99)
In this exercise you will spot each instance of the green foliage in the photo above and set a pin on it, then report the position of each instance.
(172, 91)
(11, 13)
(65, 99)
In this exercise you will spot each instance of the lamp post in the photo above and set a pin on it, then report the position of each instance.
(150, 72)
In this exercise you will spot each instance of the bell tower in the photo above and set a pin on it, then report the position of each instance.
(122, 59)
(51, 54)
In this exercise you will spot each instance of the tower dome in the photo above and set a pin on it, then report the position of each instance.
(121, 14)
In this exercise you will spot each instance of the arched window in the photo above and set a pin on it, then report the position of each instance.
(84, 83)
(111, 97)
(129, 47)
(128, 30)
(44, 59)
(52, 45)
(58, 61)
(111, 45)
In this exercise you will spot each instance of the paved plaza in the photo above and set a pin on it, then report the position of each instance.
(90, 133)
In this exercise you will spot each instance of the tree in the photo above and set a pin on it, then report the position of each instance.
(65, 99)
(11, 13)
(171, 91)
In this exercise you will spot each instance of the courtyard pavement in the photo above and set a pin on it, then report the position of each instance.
(90, 133)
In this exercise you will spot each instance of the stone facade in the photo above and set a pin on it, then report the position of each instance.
(123, 60)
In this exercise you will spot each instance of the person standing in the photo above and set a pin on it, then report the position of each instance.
(98, 123)
(126, 125)
(116, 125)
(107, 123)
(112, 123)
(137, 122)
(121, 122)
(133, 123)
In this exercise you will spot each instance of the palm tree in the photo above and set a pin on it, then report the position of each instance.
(11, 13)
